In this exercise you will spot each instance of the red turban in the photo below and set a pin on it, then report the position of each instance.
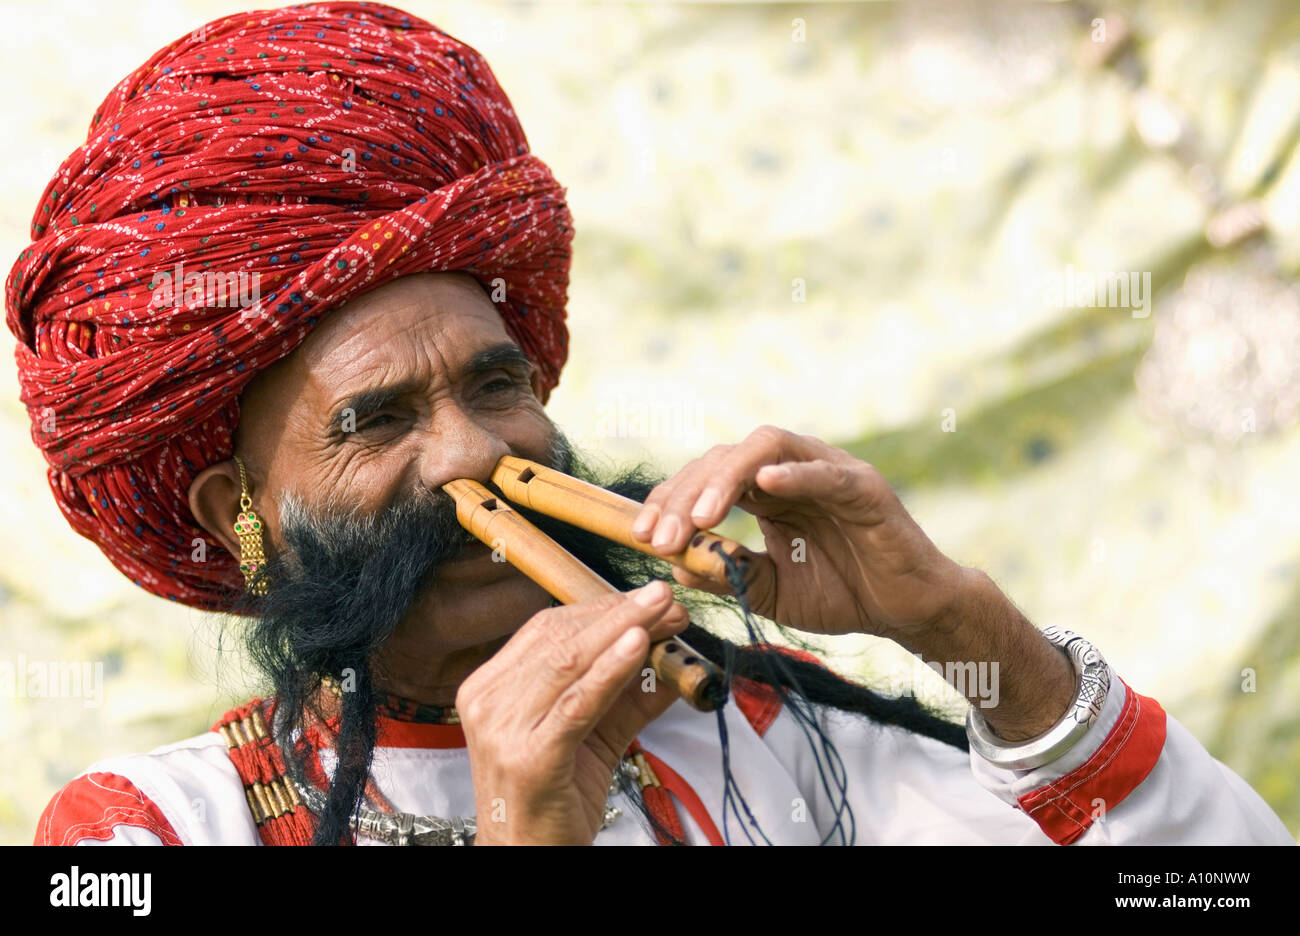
(327, 148)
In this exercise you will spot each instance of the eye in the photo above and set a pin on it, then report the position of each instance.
(505, 384)
(375, 422)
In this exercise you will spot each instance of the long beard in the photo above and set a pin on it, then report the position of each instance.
(343, 582)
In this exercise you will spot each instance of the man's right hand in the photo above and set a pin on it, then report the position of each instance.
(550, 715)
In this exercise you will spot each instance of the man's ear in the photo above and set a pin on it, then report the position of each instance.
(214, 501)
(536, 380)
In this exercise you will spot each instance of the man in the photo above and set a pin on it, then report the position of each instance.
(283, 457)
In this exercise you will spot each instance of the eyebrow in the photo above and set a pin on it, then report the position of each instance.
(367, 402)
(506, 354)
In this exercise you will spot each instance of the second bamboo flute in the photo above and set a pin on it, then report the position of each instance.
(605, 513)
(566, 578)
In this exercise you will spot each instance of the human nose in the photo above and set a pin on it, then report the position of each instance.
(460, 447)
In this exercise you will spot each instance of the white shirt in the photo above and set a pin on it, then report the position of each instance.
(1137, 777)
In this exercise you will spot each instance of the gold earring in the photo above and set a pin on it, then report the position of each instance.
(249, 527)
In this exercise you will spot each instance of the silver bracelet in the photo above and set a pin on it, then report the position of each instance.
(1094, 682)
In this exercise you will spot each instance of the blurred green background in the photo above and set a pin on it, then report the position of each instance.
(842, 219)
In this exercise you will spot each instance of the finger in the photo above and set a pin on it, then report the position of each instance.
(583, 703)
(644, 524)
(669, 502)
(584, 620)
(759, 503)
(702, 499)
(557, 646)
(856, 489)
(671, 623)
(735, 477)
(588, 626)
(647, 520)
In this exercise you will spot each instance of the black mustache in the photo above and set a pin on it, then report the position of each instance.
(343, 584)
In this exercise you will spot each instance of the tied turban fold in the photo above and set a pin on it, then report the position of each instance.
(328, 149)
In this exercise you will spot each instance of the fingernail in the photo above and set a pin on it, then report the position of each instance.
(629, 644)
(777, 472)
(667, 531)
(706, 505)
(645, 521)
(647, 596)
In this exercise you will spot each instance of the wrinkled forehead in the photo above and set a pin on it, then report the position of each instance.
(432, 322)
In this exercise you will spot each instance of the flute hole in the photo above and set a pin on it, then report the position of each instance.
(698, 539)
(671, 648)
(690, 661)
(490, 504)
(715, 546)
(526, 475)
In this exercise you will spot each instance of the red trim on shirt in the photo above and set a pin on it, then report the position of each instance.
(1063, 809)
(93, 805)
(398, 733)
(679, 788)
(757, 701)
(393, 732)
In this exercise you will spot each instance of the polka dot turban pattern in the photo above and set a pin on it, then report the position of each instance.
(326, 148)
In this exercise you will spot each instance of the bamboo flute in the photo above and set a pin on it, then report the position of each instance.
(492, 520)
(607, 514)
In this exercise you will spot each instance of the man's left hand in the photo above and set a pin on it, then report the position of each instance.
(842, 554)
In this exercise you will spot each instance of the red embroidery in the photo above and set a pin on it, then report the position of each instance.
(261, 761)
(1063, 809)
(93, 805)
